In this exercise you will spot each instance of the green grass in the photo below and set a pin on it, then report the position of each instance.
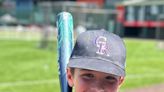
(23, 61)
(144, 63)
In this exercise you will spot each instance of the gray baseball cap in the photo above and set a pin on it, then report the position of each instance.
(101, 51)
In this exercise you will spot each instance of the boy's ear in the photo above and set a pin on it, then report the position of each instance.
(121, 80)
(70, 77)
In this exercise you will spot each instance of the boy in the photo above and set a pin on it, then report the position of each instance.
(97, 63)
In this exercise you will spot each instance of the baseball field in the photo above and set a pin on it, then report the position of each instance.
(26, 68)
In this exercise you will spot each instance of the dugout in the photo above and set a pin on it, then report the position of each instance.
(159, 29)
(140, 17)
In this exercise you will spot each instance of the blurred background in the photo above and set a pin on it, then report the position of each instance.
(28, 47)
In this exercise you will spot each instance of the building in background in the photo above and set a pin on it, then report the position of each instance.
(135, 18)
(100, 3)
(111, 3)
(141, 18)
(24, 10)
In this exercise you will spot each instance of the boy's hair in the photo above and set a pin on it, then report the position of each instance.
(72, 70)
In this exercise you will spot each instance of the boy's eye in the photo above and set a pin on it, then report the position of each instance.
(88, 76)
(111, 79)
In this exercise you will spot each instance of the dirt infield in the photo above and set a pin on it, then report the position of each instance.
(154, 88)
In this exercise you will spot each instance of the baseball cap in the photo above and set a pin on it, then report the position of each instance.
(99, 50)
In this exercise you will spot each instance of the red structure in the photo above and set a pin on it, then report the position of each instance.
(141, 14)
(98, 2)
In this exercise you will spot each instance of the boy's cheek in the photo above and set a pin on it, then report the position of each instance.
(80, 83)
(80, 86)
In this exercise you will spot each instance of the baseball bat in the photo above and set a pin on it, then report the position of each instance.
(65, 46)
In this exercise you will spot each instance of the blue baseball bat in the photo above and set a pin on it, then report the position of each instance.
(65, 46)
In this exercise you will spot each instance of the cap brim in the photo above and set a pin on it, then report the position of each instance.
(97, 65)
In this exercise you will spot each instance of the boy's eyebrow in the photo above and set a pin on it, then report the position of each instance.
(114, 76)
(92, 70)
(109, 75)
(85, 70)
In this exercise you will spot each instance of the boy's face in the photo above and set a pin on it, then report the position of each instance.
(93, 81)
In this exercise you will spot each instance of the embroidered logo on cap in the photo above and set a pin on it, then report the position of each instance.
(101, 43)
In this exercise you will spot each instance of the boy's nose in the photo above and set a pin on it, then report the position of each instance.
(95, 90)
(96, 87)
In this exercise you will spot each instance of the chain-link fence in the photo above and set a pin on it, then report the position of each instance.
(87, 15)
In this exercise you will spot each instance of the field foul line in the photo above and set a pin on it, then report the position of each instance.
(28, 83)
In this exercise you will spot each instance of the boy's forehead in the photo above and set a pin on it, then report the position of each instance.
(92, 71)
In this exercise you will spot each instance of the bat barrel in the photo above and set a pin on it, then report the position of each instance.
(65, 46)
